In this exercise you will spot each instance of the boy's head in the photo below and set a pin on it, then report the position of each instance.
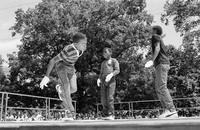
(80, 40)
(157, 30)
(107, 52)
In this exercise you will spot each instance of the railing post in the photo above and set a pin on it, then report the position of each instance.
(97, 109)
(46, 108)
(129, 109)
(132, 108)
(6, 106)
(75, 108)
(2, 99)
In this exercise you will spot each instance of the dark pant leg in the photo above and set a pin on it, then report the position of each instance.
(110, 97)
(161, 87)
(104, 99)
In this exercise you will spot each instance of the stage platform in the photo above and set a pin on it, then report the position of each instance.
(130, 124)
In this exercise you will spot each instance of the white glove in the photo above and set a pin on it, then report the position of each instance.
(44, 82)
(98, 82)
(149, 64)
(108, 77)
(109, 61)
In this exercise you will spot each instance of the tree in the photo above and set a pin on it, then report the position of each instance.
(48, 27)
(184, 76)
(183, 79)
(2, 74)
(185, 15)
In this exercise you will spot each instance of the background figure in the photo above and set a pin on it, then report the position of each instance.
(109, 69)
(161, 63)
(65, 62)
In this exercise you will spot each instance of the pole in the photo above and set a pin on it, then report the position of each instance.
(6, 106)
(2, 99)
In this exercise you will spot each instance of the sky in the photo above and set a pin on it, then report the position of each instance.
(156, 8)
(9, 44)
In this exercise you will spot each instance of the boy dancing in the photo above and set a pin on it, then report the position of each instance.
(64, 63)
(161, 63)
(109, 69)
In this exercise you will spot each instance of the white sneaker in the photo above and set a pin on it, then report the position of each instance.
(109, 118)
(58, 89)
(69, 116)
(67, 119)
(168, 114)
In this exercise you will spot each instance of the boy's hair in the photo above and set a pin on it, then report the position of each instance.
(107, 45)
(108, 48)
(158, 29)
(78, 36)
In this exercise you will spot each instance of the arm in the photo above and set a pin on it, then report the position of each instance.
(156, 51)
(100, 75)
(101, 71)
(52, 63)
(116, 68)
(157, 40)
(46, 79)
(156, 44)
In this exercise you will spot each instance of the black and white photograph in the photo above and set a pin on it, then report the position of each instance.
(100, 65)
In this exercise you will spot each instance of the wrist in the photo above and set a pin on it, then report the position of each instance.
(46, 76)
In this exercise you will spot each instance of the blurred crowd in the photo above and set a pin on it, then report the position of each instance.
(41, 115)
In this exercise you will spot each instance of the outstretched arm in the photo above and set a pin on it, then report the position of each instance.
(52, 63)
(46, 79)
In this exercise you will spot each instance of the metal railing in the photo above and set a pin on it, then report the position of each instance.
(130, 107)
(134, 106)
(5, 105)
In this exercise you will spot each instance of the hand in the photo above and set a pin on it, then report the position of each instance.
(109, 61)
(149, 64)
(98, 82)
(44, 82)
(108, 77)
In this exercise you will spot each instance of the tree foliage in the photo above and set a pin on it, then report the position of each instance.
(2, 74)
(185, 61)
(185, 15)
(48, 27)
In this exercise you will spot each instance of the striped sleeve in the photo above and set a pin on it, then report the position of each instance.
(69, 54)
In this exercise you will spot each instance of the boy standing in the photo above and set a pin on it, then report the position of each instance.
(109, 69)
(161, 63)
(64, 63)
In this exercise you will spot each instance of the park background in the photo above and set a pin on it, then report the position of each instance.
(47, 27)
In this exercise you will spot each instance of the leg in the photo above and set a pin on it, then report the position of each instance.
(161, 87)
(104, 99)
(110, 96)
(157, 92)
(73, 83)
(65, 87)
